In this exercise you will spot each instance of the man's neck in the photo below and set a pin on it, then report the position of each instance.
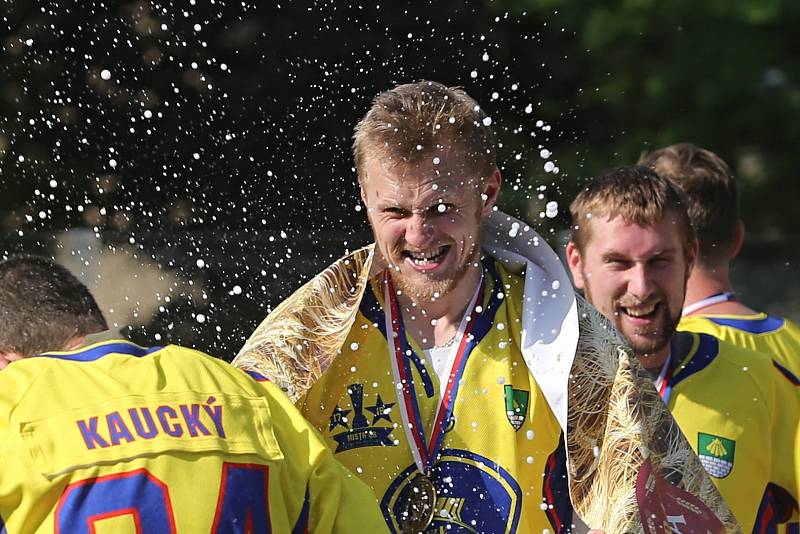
(704, 283)
(435, 322)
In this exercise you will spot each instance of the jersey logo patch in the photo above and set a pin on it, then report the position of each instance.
(716, 454)
(362, 433)
(473, 495)
(516, 406)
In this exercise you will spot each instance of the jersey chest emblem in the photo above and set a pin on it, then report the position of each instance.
(516, 406)
(473, 495)
(362, 429)
(716, 454)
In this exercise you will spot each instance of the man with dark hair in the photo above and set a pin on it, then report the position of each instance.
(44, 306)
(99, 433)
(711, 306)
(631, 251)
(449, 365)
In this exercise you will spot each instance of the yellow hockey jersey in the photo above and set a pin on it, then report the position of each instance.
(501, 465)
(119, 438)
(740, 411)
(775, 336)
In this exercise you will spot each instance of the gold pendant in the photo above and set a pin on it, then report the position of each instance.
(420, 499)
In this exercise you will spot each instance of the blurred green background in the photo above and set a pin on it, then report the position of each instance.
(190, 160)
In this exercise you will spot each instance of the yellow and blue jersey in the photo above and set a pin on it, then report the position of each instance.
(501, 466)
(113, 437)
(740, 412)
(775, 336)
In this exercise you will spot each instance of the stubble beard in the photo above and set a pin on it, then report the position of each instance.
(430, 290)
(649, 339)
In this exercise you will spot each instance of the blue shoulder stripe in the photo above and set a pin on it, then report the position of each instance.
(752, 326)
(787, 373)
(95, 352)
(706, 352)
(255, 375)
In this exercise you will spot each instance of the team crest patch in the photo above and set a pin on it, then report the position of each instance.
(473, 495)
(359, 430)
(716, 454)
(516, 406)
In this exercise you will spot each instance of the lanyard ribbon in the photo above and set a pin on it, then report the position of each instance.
(425, 452)
(708, 301)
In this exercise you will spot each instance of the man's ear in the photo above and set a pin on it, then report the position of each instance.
(575, 264)
(692, 255)
(491, 190)
(738, 241)
(8, 357)
(74, 343)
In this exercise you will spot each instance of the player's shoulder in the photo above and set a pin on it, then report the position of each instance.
(755, 324)
(705, 351)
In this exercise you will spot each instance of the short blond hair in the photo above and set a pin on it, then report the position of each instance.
(409, 123)
(635, 193)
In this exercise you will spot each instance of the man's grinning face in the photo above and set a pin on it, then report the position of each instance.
(426, 219)
(636, 276)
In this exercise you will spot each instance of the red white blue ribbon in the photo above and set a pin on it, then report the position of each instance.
(425, 451)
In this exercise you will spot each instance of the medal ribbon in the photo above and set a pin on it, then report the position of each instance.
(425, 451)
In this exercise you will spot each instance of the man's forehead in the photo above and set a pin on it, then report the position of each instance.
(434, 173)
(613, 233)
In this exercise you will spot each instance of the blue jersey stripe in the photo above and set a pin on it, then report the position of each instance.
(96, 352)
(706, 352)
(302, 526)
(255, 375)
(752, 326)
(787, 373)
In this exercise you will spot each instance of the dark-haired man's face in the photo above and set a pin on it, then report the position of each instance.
(636, 276)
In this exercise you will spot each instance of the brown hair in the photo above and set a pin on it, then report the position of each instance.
(713, 200)
(410, 122)
(43, 306)
(635, 193)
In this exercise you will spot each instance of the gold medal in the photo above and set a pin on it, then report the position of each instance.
(420, 500)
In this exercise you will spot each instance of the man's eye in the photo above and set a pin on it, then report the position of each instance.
(394, 211)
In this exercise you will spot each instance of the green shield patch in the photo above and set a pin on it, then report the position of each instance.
(716, 454)
(516, 406)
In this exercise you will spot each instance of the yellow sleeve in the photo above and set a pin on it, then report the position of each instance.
(334, 500)
(340, 502)
(786, 444)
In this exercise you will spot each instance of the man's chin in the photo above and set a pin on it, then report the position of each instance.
(645, 342)
(646, 346)
(423, 289)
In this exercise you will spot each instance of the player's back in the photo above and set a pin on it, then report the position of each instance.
(740, 412)
(775, 336)
(115, 437)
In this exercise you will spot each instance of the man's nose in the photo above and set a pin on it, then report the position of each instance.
(418, 230)
(640, 283)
